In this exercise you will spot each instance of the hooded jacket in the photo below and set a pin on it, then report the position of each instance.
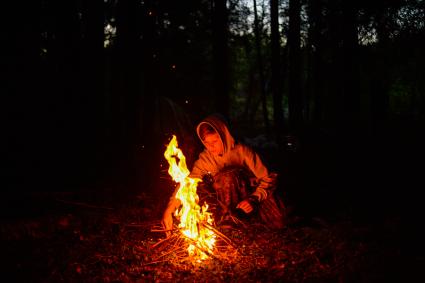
(234, 154)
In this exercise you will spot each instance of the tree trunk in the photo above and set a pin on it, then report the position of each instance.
(127, 68)
(379, 85)
(64, 60)
(220, 57)
(294, 43)
(334, 76)
(349, 67)
(129, 89)
(261, 69)
(251, 87)
(275, 67)
(315, 70)
(93, 80)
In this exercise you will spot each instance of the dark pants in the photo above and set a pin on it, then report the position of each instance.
(232, 185)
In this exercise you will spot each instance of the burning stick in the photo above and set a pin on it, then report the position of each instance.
(222, 236)
(161, 230)
(162, 241)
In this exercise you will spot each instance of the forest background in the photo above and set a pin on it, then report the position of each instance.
(92, 90)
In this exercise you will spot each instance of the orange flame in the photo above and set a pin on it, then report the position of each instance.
(191, 215)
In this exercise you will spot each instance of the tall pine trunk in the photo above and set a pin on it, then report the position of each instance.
(261, 69)
(315, 70)
(275, 68)
(220, 57)
(92, 79)
(127, 68)
(349, 65)
(295, 89)
(379, 85)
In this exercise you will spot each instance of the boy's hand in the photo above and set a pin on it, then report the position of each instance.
(249, 204)
(167, 223)
(167, 217)
(246, 206)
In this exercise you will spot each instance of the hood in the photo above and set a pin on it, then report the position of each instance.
(219, 124)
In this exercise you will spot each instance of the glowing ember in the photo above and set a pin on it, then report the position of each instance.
(191, 216)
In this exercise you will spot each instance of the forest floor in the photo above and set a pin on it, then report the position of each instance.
(76, 241)
(344, 225)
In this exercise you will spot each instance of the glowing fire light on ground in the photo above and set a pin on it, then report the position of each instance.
(193, 218)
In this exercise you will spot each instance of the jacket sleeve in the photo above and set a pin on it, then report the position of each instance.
(266, 180)
(202, 166)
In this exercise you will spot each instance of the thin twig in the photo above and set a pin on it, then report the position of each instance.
(221, 235)
(154, 262)
(162, 241)
(201, 248)
(158, 230)
(178, 241)
(238, 221)
(169, 252)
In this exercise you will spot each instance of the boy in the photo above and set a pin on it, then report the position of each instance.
(228, 163)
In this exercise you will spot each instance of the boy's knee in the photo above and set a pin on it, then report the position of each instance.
(223, 180)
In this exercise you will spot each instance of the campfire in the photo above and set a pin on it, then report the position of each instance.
(194, 237)
(195, 221)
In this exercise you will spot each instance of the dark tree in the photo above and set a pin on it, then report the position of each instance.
(92, 80)
(315, 86)
(260, 65)
(348, 62)
(380, 84)
(221, 56)
(295, 63)
(275, 67)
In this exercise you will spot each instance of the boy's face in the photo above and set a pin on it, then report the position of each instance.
(213, 144)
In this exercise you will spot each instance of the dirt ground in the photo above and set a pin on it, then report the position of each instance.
(75, 241)
(344, 224)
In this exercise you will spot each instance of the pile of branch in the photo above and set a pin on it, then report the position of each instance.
(174, 249)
